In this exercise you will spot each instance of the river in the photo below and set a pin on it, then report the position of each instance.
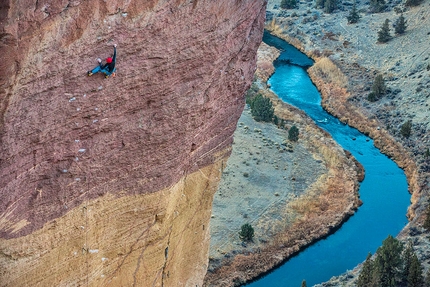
(384, 191)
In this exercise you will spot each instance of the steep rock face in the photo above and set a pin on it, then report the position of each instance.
(69, 141)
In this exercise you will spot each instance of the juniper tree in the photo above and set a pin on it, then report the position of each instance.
(246, 232)
(366, 275)
(304, 283)
(413, 2)
(261, 108)
(400, 25)
(427, 279)
(353, 16)
(377, 6)
(327, 5)
(293, 134)
(384, 34)
(330, 6)
(388, 262)
(406, 129)
(407, 261)
(427, 153)
(289, 4)
(378, 88)
(426, 224)
(320, 3)
(415, 276)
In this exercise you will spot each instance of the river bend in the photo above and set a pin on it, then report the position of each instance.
(384, 191)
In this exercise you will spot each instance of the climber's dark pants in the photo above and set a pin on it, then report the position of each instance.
(100, 69)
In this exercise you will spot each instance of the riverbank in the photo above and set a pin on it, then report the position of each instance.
(292, 193)
(348, 58)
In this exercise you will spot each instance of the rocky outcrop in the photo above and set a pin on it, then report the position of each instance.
(110, 180)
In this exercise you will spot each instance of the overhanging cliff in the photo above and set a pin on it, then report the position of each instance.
(88, 163)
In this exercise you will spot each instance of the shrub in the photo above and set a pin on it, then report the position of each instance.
(293, 134)
(406, 129)
(261, 108)
(246, 232)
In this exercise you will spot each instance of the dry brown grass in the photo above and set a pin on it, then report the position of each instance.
(327, 70)
(279, 29)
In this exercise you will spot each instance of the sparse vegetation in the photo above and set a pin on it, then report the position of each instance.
(400, 25)
(293, 134)
(406, 129)
(246, 232)
(328, 71)
(384, 34)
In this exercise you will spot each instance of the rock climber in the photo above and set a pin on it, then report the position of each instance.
(109, 68)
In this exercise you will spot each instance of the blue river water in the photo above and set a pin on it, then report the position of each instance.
(384, 191)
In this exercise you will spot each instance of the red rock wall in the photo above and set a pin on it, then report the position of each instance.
(183, 68)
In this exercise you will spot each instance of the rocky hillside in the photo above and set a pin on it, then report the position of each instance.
(110, 181)
(357, 57)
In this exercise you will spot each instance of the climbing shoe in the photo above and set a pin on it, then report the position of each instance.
(89, 73)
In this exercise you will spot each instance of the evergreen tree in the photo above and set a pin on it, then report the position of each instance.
(289, 4)
(246, 232)
(293, 134)
(262, 109)
(388, 262)
(400, 26)
(427, 220)
(413, 2)
(377, 6)
(320, 3)
(427, 153)
(366, 275)
(353, 16)
(378, 89)
(407, 261)
(406, 129)
(415, 276)
(384, 34)
(427, 280)
(330, 6)
(304, 283)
